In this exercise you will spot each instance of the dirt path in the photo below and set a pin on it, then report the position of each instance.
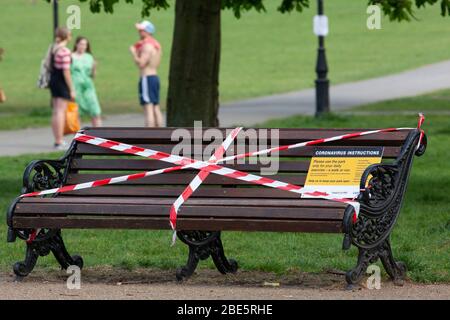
(152, 284)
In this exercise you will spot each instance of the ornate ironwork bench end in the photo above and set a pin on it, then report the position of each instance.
(380, 206)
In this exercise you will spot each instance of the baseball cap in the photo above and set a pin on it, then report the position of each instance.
(147, 26)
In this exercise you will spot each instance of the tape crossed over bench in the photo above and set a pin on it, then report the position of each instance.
(211, 166)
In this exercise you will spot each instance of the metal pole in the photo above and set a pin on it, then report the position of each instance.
(322, 83)
(55, 17)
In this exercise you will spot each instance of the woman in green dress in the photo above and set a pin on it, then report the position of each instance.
(83, 72)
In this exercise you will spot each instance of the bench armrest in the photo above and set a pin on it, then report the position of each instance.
(381, 182)
(42, 175)
(47, 174)
(39, 175)
(383, 188)
(378, 184)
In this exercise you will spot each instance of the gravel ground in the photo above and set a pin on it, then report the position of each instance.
(207, 284)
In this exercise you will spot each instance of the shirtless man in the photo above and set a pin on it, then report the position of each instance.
(147, 56)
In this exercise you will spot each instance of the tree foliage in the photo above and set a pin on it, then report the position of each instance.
(395, 9)
(404, 9)
(193, 92)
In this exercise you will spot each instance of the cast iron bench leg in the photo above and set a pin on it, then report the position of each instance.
(221, 262)
(395, 269)
(44, 244)
(202, 245)
(23, 268)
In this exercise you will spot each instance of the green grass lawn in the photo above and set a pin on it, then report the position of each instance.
(421, 237)
(261, 53)
(433, 102)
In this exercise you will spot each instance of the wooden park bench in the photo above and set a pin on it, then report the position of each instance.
(220, 204)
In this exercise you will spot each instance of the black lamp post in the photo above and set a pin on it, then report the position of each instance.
(322, 83)
(55, 17)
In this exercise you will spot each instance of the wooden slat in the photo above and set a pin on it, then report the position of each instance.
(182, 224)
(178, 178)
(86, 149)
(294, 203)
(174, 191)
(147, 165)
(108, 211)
(284, 135)
(312, 209)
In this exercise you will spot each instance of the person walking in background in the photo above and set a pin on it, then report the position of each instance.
(61, 85)
(2, 93)
(147, 56)
(83, 72)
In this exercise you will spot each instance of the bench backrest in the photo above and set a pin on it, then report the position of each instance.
(92, 162)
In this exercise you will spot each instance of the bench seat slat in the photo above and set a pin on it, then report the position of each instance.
(179, 178)
(87, 149)
(174, 191)
(206, 210)
(296, 203)
(182, 224)
(135, 135)
(147, 165)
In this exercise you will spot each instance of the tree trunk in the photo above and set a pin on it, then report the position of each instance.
(194, 64)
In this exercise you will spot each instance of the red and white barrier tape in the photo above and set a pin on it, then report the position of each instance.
(186, 162)
(205, 166)
(208, 167)
(195, 164)
(191, 163)
(309, 143)
(419, 127)
(320, 141)
(33, 235)
(98, 183)
(200, 177)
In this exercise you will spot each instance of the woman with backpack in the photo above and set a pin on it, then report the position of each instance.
(61, 85)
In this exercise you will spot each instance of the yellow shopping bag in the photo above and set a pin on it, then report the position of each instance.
(2, 95)
(72, 124)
